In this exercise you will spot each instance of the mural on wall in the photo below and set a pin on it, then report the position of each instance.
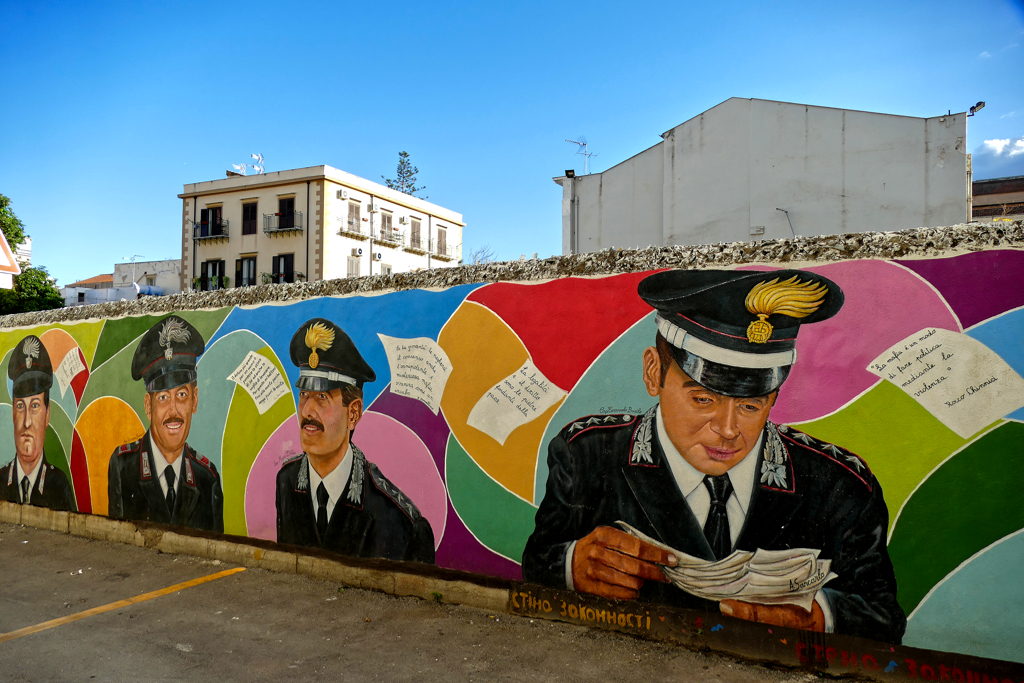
(866, 416)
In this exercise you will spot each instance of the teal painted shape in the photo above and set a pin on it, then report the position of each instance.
(972, 611)
(7, 386)
(965, 505)
(215, 391)
(612, 384)
(67, 401)
(500, 520)
(1003, 335)
(63, 429)
(7, 451)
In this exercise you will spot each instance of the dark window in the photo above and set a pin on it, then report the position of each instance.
(284, 268)
(81, 297)
(286, 210)
(245, 271)
(211, 275)
(249, 218)
(414, 230)
(209, 222)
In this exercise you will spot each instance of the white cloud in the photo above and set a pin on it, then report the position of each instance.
(1018, 148)
(997, 146)
(984, 55)
(1008, 115)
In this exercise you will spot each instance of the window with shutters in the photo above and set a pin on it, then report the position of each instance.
(385, 224)
(385, 269)
(353, 266)
(354, 217)
(442, 241)
(211, 275)
(286, 211)
(284, 268)
(245, 271)
(414, 233)
(249, 218)
(210, 222)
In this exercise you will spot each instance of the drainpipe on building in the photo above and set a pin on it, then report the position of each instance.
(430, 238)
(307, 232)
(195, 253)
(372, 202)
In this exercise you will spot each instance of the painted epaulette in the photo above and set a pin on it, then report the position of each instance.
(393, 492)
(585, 424)
(130, 447)
(289, 461)
(201, 459)
(849, 461)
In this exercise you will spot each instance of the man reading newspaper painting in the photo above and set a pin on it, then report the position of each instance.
(702, 501)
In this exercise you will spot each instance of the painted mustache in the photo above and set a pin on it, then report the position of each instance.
(174, 421)
(312, 421)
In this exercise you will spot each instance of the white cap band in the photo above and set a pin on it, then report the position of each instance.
(679, 338)
(332, 376)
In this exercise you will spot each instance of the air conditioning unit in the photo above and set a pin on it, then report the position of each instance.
(403, 219)
(342, 194)
(378, 256)
(357, 252)
(374, 207)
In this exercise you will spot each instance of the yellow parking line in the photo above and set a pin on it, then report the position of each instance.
(28, 630)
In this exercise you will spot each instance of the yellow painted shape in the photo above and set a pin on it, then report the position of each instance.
(86, 336)
(105, 424)
(483, 351)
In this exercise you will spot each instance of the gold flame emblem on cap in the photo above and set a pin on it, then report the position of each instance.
(319, 337)
(791, 297)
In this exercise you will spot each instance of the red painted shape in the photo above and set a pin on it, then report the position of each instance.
(565, 324)
(80, 474)
(78, 381)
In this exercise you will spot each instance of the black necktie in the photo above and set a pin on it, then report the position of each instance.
(321, 511)
(716, 528)
(24, 489)
(169, 476)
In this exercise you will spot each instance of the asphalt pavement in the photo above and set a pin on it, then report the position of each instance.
(66, 615)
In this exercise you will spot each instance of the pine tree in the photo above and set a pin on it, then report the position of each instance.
(406, 180)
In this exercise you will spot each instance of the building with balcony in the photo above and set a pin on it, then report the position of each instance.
(315, 223)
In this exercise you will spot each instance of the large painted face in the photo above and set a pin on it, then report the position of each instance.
(325, 423)
(711, 431)
(170, 417)
(31, 417)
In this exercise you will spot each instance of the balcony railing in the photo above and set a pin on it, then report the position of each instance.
(416, 245)
(210, 230)
(389, 237)
(443, 251)
(352, 227)
(282, 222)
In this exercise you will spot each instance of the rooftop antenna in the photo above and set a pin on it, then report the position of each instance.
(240, 168)
(258, 166)
(582, 142)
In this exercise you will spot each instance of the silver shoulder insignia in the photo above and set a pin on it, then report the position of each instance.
(642, 442)
(355, 480)
(773, 467)
(302, 484)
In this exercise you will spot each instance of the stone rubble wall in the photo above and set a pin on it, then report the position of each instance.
(915, 243)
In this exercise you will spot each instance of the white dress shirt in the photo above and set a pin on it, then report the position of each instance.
(161, 466)
(334, 483)
(33, 477)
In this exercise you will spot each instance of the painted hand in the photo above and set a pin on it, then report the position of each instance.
(790, 616)
(613, 564)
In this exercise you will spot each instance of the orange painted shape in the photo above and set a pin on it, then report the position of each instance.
(104, 425)
(57, 343)
(8, 264)
(483, 351)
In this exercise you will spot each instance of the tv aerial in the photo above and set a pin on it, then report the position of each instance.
(258, 166)
(582, 149)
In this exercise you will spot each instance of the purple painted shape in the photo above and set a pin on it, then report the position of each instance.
(403, 458)
(977, 286)
(459, 549)
(432, 429)
(884, 304)
(261, 486)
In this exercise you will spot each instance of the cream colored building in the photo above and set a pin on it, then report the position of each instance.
(315, 223)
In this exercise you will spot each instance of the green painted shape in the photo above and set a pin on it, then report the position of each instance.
(114, 378)
(245, 432)
(499, 519)
(7, 451)
(63, 429)
(969, 503)
(57, 456)
(900, 441)
(120, 332)
(86, 334)
(5, 392)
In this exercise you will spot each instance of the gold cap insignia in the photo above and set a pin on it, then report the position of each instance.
(319, 337)
(791, 297)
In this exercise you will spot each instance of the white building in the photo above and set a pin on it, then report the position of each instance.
(749, 169)
(313, 223)
(128, 281)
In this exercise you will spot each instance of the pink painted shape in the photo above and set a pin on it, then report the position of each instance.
(884, 304)
(392, 446)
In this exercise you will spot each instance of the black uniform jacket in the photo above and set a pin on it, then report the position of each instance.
(51, 489)
(807, 494)
(372, 519)
(134, 491)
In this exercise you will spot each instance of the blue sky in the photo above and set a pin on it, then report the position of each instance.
(110, 108)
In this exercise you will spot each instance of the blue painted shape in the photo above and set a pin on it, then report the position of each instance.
(716, 628)
(1003, 335)
(215, 390)
(612, 384)
(408, 314)
(892, 667)
(969, 613)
